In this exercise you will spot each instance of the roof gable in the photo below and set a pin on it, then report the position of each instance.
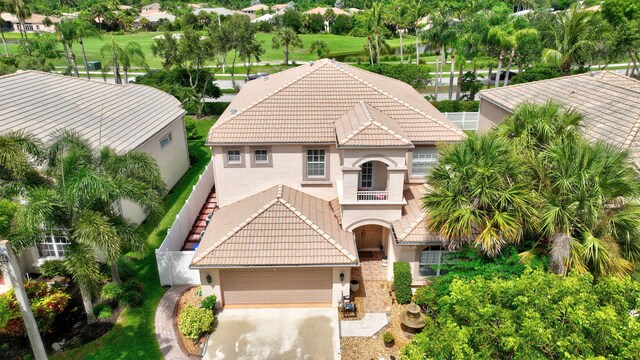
(292, 228)
(365, 126)
(301, 105)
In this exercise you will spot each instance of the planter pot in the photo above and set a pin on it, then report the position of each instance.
(390, 343)
(355, 285)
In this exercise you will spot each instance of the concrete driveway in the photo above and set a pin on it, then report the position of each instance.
(292, 333)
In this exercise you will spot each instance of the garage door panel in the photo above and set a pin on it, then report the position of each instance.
(279, 286)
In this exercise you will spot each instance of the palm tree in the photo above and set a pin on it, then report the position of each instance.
(418, 11)
(123, 57)
(18, 152)
(503, 42)
(87, 182)
(21, 10)
(67, 31)
(4, 6)
(571, 32)
(478, 195)
(85, 29)
(589, 218)
(400, 16)
(437, 36)
(375, 18)
(286, 37)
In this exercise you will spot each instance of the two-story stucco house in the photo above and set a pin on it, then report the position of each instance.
(313, 165)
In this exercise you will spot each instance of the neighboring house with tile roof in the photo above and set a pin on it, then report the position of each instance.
(254, 8)
(33, 24)
(123, 117)
(609, 102)
(312, 165)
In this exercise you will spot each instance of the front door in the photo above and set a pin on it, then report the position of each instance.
(369, 237)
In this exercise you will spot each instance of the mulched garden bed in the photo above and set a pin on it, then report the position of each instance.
(70, 328)
(189, 297)
(366, 348)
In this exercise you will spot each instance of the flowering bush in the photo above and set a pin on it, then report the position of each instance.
(45, 303)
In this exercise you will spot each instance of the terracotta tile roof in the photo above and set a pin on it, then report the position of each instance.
(322, 10)
(302, 105)
(365, 126)
(277, 227)
(411, 228)
(609, 102)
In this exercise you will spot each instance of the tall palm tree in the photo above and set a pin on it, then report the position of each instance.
(87, 183)
(123, 57)
(436, 36)
(503, 42)
(85, 29)
(4, 6)
(571, 31)
(286, 37)
(400, 12)
(375, 16)
(67, 31)
(418, 11)
(21, 10)
(478, 195)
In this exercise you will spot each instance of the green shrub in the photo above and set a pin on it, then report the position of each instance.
(112, 291)
(416, 76)
(538, 315)
(214, 108)
(97, 308)
(191, 129)
(53, 268)
(402, 279)
(209, 302)
(193, 322)
(388, 337)
(425, 296)
(456, 105)
(105, 313)
(130, 299)
(133, 285)
(536, 73)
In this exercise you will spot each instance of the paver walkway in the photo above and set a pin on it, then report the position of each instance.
(165, 332)
(373, 279)
(368, 326)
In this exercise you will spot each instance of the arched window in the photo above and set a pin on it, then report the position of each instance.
(432, 257)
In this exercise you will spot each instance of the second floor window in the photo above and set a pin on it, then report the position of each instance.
(54, 245)
(366, 176)
(316, 163)
(233, 157)
(261, 156)
(423, 159)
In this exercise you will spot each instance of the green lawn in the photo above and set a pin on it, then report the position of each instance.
(133, 336)
(337, 44)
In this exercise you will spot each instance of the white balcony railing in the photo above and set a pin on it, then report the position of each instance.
(373, 195)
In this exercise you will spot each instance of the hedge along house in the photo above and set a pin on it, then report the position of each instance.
(123, 117)
(315, 166)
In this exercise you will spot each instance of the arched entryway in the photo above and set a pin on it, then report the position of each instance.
(372, 241)
(371, 237)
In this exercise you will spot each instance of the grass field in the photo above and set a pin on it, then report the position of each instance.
(337, 44)
(133, 336)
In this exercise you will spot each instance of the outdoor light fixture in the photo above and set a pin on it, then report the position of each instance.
(341, 276)
(209, 279)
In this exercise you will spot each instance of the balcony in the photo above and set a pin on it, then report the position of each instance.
(367, 195)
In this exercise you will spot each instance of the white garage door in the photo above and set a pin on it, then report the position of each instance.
(276, 286)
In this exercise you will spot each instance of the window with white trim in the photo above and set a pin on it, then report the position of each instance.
(233, 157)
(366, 175)
(261, 156)
(166, 140)
(431, 258)
(423, 159)
(316, 163)
(54, 244)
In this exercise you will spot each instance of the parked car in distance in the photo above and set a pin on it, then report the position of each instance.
(256, 76)
(503, 75)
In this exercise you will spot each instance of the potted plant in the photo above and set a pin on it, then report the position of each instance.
(388, 339)
(354, 286)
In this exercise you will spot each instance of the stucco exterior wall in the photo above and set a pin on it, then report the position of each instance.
(377, 214)
(173, 161)
(490, 115)
(237, 183)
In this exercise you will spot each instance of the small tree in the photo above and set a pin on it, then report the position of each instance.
(320, 48)
(286, 38)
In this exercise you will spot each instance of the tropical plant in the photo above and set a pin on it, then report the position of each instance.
(571, 33)
(123, 57)
(4, 41)
(320, 48)
(400, 16)
(286, 38)
(67, 32)
(21, 10)
(88, 183)
(85, 29)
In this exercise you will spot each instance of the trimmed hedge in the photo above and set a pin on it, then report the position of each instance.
(402, 279)
(209, 302)
(209, 109)
(456, 105)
